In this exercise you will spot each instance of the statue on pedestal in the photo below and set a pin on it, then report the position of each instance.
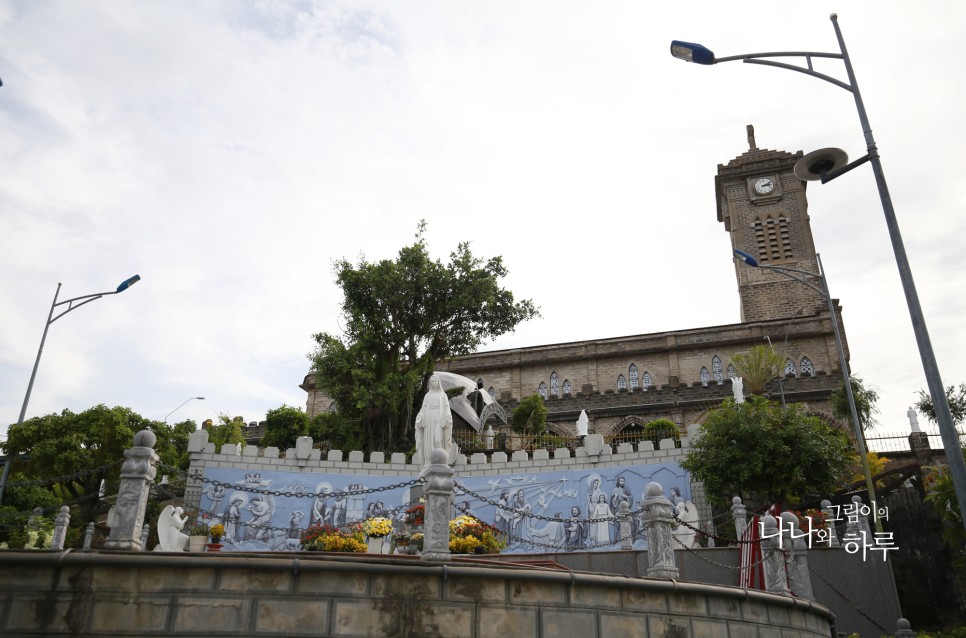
(434, 423)
(170, 524)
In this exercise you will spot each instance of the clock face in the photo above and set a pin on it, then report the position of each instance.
(764, 185)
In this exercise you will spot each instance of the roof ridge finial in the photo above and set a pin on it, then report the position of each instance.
(751, 137)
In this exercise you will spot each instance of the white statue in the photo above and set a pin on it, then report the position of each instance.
(434, 423)
(170, 524)
(582, 423)
(488, 436)
(737, 387)
(913, 419)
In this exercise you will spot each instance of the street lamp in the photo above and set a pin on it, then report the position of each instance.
(792, 273)
(180, 406)
(819, 166)
(51, 318)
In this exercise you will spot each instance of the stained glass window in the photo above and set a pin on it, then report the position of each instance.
(554, 385)
(542, 389)
(492, 392)
(790, 368)
(716, 369)
(732, 373)
(705, 376)
(567, 389)
(646, 380)
(633, 375)
(621, 382)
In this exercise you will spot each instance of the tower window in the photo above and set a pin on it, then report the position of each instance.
(716, 369)
(774, 242)
(807, 367)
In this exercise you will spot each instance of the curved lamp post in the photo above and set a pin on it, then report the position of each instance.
(829, 164)
(181, 406)
(792, 273)
(72, 304)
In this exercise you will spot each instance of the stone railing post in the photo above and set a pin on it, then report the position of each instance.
(145, 532)
(659, 523)
(709, 532)
(858, 525)
(740, 515)
(833, 538)
(624, 517)
(60, 528)
(439, 506)
(89, 536)
(796, 566)
(904, 629)
(776, 580)
(137, 476)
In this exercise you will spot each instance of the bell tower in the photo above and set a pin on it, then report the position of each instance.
(764, 210)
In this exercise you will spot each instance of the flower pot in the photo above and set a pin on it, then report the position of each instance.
(377, 544)
(197, 543)
(213, 547)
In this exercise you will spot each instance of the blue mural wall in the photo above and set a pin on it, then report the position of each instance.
(539, 511)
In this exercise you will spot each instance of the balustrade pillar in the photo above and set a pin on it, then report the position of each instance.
(439, 506)
(659, 525)
(137, 477)
(776, 580)
(60, 528)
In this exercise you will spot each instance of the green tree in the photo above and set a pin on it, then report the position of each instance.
(400, 317)
(770, 454)
(530, 416)
(85, 447)
(227, 430)
(757, 367)
(865, 403)
(283, 426)
(955, 398)
(333, 428)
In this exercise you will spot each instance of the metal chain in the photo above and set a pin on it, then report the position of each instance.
(66, 477)
(846, 599)
(527, 514)
(715, 537)
(715, 563)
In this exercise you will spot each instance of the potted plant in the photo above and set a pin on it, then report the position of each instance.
(217, 532)
(469, 535)
(198, 536)
(376, 529)
(326, 538)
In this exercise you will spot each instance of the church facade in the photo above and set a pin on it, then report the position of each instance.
(624, 382)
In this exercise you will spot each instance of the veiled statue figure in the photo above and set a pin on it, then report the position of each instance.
(434, 423)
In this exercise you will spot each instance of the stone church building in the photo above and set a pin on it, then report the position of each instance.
(625, 382)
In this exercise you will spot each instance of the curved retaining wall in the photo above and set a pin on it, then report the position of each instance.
(136, 594)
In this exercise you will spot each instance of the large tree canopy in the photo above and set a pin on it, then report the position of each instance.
(87, 447)
(400, 317)
(760, 450)
(283, 426)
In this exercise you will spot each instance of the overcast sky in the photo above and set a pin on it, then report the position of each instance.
(228, 152)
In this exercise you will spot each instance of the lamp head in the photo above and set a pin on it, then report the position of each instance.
(127, 283)
(745, 257)
(825, 160)
(691, 52)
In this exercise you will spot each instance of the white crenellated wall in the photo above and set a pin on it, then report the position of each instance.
(304, 458)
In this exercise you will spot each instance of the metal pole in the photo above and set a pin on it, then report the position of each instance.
(30, 387)
(857, 426)
(950, 438)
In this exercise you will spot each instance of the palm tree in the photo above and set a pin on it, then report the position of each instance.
(758, 367)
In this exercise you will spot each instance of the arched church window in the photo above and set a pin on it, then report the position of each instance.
(732, 373)
(646, 380)
(621, 382)
(705, 376)
(492, 392)
(554, 385)
(567, 388)
(790, 368)
(807, 367)
(716, 369)
(635, 379)
(542, 389)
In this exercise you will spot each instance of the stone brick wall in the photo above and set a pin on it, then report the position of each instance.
(133, 594)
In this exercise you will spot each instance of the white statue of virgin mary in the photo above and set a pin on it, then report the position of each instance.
(434, 423)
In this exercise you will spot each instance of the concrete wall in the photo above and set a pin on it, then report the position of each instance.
(135, 594)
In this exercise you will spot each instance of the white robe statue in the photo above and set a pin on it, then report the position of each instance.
(583, 424)
(434, 423)
(737, 387)
(170, 524)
